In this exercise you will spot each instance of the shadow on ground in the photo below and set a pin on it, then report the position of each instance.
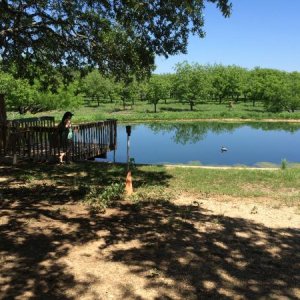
(178, 251)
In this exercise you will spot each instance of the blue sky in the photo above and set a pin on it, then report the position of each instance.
(264, 33)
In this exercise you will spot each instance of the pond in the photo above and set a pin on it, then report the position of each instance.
(250, 144)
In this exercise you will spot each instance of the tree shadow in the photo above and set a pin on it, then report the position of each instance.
(180, 251)
(206, 255)
(175, 109)
(255, 110)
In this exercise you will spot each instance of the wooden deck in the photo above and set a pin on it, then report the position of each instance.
(38, 139)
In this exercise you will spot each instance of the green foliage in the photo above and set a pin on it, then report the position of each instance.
(100, 198)
(191, 83)
(65, 97)
(119, 37)
(293, 102)
(284, 164)
(96, 86)
(22, 97)
(272, 93)
(275, 90)
(128, 92)
(17, 92)
(157, 90)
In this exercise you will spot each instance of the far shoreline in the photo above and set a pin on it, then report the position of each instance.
(230, 120)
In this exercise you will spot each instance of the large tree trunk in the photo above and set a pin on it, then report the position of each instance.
(192, 105)
(3, 124)
(3, 116)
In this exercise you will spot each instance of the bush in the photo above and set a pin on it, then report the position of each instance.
(100, 198)
(283, 164)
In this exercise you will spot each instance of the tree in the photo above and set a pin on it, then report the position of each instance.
(128, 91)
(119, 37)
(220, 82)
(236, 78)
(157, 90)
(255, 84)
(95, 86)
(19, 95)
(191, 83)
(294, 91)
(276, 90)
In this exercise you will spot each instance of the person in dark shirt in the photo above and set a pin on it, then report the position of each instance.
(66, 136)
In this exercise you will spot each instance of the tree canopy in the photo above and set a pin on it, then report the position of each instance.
(119, 37)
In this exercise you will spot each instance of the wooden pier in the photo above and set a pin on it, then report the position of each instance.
(39, 139)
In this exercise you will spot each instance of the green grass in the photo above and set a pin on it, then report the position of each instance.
(157, 182)
(142, 112)
(276, 184)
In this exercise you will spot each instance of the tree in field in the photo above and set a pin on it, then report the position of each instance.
(128, 92)
(95, 86)
(19, 94)
(166, 81)
(142, 89)
(118, 37)
(276, 90)
(65, 97)
(191, 83)
(255, 84)
(157, 90)
(293, 102)
(236, 79)
(220, 83)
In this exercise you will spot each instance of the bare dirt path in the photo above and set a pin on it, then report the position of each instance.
(189, 248)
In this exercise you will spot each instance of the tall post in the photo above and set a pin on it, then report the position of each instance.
(128, 188)
(128, 131)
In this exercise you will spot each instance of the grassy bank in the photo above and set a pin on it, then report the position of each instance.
(142, 112)
(281, 186)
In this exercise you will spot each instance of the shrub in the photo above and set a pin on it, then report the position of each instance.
(100, 198)
(283, 164)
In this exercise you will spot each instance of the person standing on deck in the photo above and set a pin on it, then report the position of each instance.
(66, 136)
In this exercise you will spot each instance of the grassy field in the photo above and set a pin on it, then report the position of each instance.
(142, 111)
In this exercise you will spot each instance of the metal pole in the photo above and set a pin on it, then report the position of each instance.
(128, 188)
(128, 155)
(128, 131)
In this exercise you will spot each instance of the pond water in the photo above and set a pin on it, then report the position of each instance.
(200, 143)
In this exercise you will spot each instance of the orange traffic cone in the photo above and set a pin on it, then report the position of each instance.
(128, 188)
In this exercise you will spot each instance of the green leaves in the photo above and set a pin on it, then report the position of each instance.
(119, 37)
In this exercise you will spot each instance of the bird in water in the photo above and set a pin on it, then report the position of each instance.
(223, 149)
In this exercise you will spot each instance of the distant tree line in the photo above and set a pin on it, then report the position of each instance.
(277, 90)
(191, 84)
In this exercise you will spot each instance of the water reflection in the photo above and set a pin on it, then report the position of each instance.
(191, 133)
(201, 142)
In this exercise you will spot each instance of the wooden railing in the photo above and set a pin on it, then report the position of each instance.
(40, 121)
(44, 141)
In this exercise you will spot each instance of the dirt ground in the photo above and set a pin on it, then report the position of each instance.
(188, 248)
